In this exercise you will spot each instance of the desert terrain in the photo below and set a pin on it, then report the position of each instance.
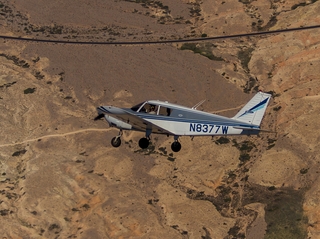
(61, 178)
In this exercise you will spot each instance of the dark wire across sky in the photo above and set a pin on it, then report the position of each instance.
(158, 42)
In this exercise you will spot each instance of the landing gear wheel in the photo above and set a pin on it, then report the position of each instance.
(176, 146)
(144, 143)
(115, 142)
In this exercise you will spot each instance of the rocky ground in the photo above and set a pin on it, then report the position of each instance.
(60, 177)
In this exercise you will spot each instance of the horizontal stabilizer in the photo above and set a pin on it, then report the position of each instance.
(254, 129)
(246, 128)
(253, 111)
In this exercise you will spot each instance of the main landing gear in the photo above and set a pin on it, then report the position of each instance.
(144, 142)
(176, 146)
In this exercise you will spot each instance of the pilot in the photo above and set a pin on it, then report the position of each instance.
(152, 110)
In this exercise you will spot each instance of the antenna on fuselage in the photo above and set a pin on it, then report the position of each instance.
(197, 105)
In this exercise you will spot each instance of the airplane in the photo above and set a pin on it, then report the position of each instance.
(162, 117)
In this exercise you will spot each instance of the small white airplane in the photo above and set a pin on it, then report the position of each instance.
(161, 117)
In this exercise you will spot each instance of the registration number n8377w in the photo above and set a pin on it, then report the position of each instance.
(208, 128)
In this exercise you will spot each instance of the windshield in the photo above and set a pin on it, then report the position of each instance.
(137, 107)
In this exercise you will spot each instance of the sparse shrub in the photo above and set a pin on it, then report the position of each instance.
(244, 56)
(295, 6)
(171, 158)
(53, 226)
(246, 146)
(4, 212)
(8, 84)
(244, 157)
(86, 206)
(29, 90)
(204, 50)
(38, 75)
(163, 150)
(251, 83)
(20, 152)
(304, 170)
(36, 60)
(227, 199)
(16, 60)
(222, 140)
(270, 146)
(277, 108)
(34, 212)
(271, 188)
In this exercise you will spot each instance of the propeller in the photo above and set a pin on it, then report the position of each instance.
(99, 117)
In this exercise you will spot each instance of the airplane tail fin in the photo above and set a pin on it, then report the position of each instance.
(253, 111)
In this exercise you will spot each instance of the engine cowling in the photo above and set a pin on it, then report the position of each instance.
(113, 122)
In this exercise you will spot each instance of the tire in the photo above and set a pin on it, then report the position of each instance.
(176, 146)
(116, 142)
(143, 143)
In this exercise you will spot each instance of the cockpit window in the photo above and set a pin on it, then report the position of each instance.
(146, 107)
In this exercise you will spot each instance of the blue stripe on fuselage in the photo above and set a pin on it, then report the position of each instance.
(184, 120)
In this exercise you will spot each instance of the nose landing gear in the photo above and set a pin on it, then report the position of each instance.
(116, 141)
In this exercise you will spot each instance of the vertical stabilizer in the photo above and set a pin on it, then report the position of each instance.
(254, 110)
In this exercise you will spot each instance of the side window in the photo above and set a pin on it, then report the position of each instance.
(164, 111)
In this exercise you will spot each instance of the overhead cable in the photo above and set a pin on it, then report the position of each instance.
(159, 42)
